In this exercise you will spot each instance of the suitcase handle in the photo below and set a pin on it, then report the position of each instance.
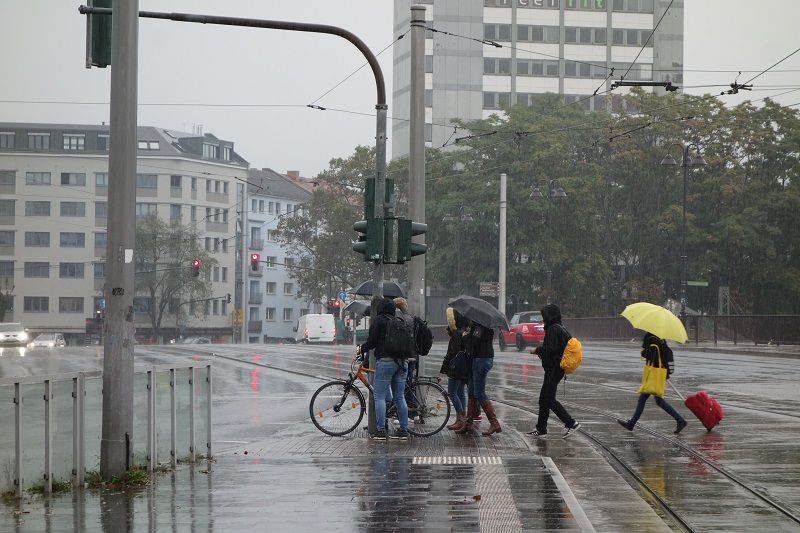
(676, 391)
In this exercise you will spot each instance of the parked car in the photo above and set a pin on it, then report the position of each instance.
(49, 340)
(195, 340)
(315, 328)
(527, 328)
(13, 334)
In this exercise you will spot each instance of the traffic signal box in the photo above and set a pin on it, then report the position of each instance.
(389, 239)
(254, 260)
(196, 268)
(98, 36)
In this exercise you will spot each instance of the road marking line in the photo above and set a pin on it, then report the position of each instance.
(570, 499)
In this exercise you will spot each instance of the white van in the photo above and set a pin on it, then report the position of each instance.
(315, 328)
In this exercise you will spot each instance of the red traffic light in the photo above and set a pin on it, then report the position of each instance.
(254, 260)
(195, 268)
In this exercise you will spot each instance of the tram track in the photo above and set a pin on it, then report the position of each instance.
(626, 469)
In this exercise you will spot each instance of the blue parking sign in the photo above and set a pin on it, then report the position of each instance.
(342, 295)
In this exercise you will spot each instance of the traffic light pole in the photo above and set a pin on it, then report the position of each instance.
(117, 417)
(416, 157)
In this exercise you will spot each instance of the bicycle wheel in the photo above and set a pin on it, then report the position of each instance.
(337, 408)
(433, 408)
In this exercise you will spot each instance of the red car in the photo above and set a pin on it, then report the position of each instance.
(527, 328)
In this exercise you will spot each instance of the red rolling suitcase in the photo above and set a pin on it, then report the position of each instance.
(704, 407)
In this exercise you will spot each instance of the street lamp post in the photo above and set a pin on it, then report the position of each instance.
(554, 193)
(461, 217)
(696, 161)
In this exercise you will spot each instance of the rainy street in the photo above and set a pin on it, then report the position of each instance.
(274, 471)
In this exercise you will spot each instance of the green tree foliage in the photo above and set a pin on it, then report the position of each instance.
(164, 253)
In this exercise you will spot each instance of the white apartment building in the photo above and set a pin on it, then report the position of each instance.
(273, 299)
(53, 216)
(561, 46)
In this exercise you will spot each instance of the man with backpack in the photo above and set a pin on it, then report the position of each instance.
(392, 342)
(412, 362)
(550, 352)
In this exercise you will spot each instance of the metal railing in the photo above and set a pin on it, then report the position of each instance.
(167, 399)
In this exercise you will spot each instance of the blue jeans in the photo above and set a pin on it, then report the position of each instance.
(456, 389)
(661, 402)
(477, 379)
(389, 372)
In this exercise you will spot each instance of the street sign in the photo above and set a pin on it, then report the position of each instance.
(489, 288)
(237, 317)
(342, 295)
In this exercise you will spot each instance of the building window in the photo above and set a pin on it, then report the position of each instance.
(73, 209)
(69, 239)
(99, 270)
(225, 246)
(175, 182)
(287, 314)
(288, 288)
(74, 141)
(428, 64)
(74, 179)
(304, 311)
(37, 178)
(226, 153)
(36, 304)
(7, 269)
(174, 211)
(141, 304)
(102, 142)
(8, 177)
(100, 240)
(7, 238)
(193, 213)
(37, 239)
(37, 269)
(7, 208)
(147, 181)
(194, 184)
(146, 209)
(269, 314)
(101, 179)
(269, 261)
(70, 304)
(224, 274)
(215, 305)
(288, 262)
(216, 273)
(101, 209)
(148, 145)
(6, 140)
(271, 287)
(70, 270)
(210, 151)
(39, 141)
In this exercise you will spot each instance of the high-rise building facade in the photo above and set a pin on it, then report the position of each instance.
(54, 213)
(559, 46)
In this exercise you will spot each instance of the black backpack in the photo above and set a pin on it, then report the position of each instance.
(423, 336)
(399, 341)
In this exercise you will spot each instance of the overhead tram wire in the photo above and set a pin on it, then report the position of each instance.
(770, 67)
(649, 37)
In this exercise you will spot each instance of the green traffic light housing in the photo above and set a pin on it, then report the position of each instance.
(370, 242)
(406, 249)
(98, 36)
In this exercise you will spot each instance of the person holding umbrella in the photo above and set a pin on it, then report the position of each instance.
(478, 345)
(550, 352)
(657, 369)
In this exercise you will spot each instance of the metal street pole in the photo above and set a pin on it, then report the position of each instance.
(683, 236)
(416, 157)
(117, 418)
(501, 300)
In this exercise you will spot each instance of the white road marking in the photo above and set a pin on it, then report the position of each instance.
(570, 499)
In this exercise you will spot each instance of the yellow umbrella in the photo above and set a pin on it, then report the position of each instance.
(657, 320)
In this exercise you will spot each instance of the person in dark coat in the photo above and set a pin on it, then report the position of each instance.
(456, 385)
(655, 353)
(550, 352)
(478, 345)
(388, 373)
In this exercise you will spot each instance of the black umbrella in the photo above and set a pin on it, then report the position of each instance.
(358, 308)
(479, 311)
(390, 289)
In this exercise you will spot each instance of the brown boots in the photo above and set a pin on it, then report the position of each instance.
(459, 423)
(494, 425)
(472, 406)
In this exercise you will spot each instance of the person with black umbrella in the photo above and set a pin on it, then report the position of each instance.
(550, 352)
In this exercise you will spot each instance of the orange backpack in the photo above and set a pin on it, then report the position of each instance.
(573, 354)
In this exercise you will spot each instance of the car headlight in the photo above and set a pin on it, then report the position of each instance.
(51, 344)
(24, 336)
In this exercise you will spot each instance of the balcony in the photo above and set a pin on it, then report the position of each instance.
(256, 299)
(254, 326)
(256, 244)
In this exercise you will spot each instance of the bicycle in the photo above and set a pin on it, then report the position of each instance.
(338, 407)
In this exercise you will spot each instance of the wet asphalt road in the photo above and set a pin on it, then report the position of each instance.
(293, 478)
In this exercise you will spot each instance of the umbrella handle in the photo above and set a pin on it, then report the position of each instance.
(676, 391)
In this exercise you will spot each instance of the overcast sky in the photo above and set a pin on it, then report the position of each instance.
(43, 43)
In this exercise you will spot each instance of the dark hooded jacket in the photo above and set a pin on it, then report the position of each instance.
(651, 354)
(377, 329)
(555, 338)
(456, 342)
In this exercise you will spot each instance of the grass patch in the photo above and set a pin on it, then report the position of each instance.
(9, 498)
(135, 478)
(58, 486)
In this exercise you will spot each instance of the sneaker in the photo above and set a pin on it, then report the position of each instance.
(626, 424)
(381, 435)
(536, 433)
(572, 430)
(399, 435)
(681, 425)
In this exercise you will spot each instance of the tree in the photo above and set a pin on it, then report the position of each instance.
(164, 253)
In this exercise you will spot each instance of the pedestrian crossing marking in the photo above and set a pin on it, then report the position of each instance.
(457, 460)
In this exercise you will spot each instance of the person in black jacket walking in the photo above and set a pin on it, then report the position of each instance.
(388, 373)
(550, 352)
